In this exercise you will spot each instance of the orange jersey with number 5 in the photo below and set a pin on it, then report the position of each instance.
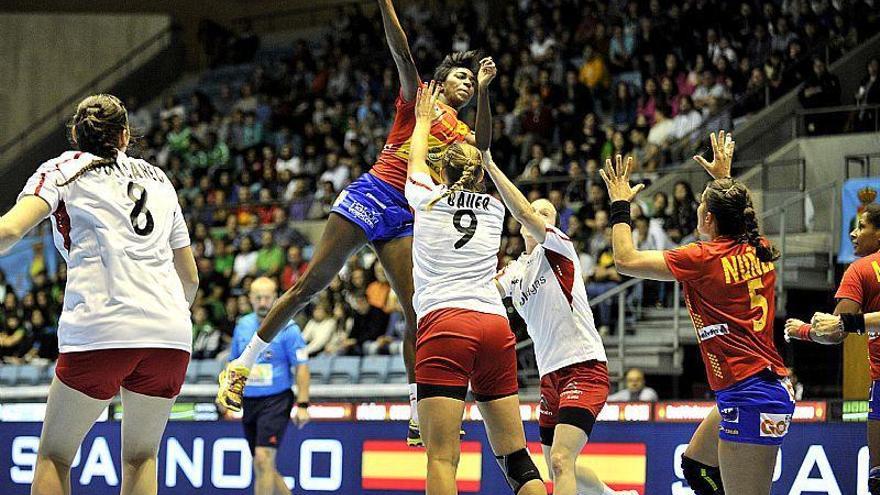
(731, 298)
(392, 160)
(861, 283)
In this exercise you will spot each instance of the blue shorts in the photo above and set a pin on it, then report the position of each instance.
(376, 207)
(874, 401)
(756, 410)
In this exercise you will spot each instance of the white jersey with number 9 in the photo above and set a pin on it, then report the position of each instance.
(455, 248)
(116, 227)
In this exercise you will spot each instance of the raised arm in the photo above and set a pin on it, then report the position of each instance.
(518, 205)
(627, 259)
(25, 215)
(426, 101)
(406, 67)
(483, 127)
(722, 156)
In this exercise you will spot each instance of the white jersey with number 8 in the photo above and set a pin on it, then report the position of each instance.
(116, 227)
(455, 248)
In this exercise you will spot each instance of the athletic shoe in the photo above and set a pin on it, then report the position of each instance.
(232, 381)
(414, 436)
(874, 481)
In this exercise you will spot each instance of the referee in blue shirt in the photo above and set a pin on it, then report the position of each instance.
(267, 399)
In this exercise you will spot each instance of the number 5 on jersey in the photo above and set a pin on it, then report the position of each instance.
(138, 194)
(758, 301)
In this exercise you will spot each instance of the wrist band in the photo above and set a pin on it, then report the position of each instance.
(804, 332)
(302, 405)
(620, 213)
(853, 322)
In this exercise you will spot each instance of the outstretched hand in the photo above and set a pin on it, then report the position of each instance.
(426, 101)
(486, 73)
(722, 156)
(617, 180)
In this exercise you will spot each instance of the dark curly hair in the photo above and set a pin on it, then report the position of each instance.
(731, 203)
(469, 60)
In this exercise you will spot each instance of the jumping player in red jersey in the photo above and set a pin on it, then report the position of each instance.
(125, 327)
(728, 287)
(373, 209)
(859, 292)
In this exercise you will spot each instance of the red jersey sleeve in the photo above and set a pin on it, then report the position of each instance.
(851, 286)
(686, 262)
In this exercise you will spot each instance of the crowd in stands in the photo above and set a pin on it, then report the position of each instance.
(579, 81)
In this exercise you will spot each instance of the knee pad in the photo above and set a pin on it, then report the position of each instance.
(874, 481)
(518, 468)
(703, 479)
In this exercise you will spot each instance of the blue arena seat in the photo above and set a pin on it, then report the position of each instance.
(29, 374)
(319, 367)
(192, 372)
(207, 370)
(8, 374)
(345, 369)
(397, 372)
(374, 369)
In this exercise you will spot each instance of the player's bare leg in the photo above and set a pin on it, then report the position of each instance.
(440, 424)
(874, 455)
(70, 414)
(396, 258)
(505, 431)
(143, 422)
(747, 469)
(338, 241)
(267, 480)
(700, 459)
(561, 458)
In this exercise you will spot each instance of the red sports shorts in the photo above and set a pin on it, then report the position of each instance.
(581, 385)
(457, 346)
(99, 374)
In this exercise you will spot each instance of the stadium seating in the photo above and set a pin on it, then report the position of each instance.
(207, 370)
(345, 369)
(319, 366)
(397, 371)
(374, 369)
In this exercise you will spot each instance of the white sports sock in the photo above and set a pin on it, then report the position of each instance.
(413, 403)
(252, 351)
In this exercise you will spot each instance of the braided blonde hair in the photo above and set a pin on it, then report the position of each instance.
(463, 164)
(95, 128)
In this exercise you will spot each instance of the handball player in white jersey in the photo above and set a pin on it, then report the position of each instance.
(463, 334)
(547, 290)
(125, 325)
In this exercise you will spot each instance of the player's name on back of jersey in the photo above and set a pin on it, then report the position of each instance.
(465, 199)
(743, 267)
(130, 169)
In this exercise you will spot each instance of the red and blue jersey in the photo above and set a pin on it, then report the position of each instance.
(861, 283)
(392, 161)
(730, 295)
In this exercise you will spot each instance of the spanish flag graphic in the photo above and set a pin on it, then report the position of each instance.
(391, 465)
(621, 466)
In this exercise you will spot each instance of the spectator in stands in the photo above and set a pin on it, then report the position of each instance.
(635, 390)
(796, 385)
(270, 257)
(821, 89)
(709, 88)
(688, 119)
(245, 261)
(663, 130)
(683, 217)
(603, 278)
(391, 342)
(44, 339)
(13, 339)
(867, 95)
(293, 268)
(319, 330)
(206, 337)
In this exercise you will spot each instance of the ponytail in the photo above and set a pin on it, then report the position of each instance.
(765, 251)
(93, 165)
(96, 128)
(466, 160)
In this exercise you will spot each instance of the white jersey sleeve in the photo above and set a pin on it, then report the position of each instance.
(44, 183)
(558, 242)
(420, 190)
(179, 233)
